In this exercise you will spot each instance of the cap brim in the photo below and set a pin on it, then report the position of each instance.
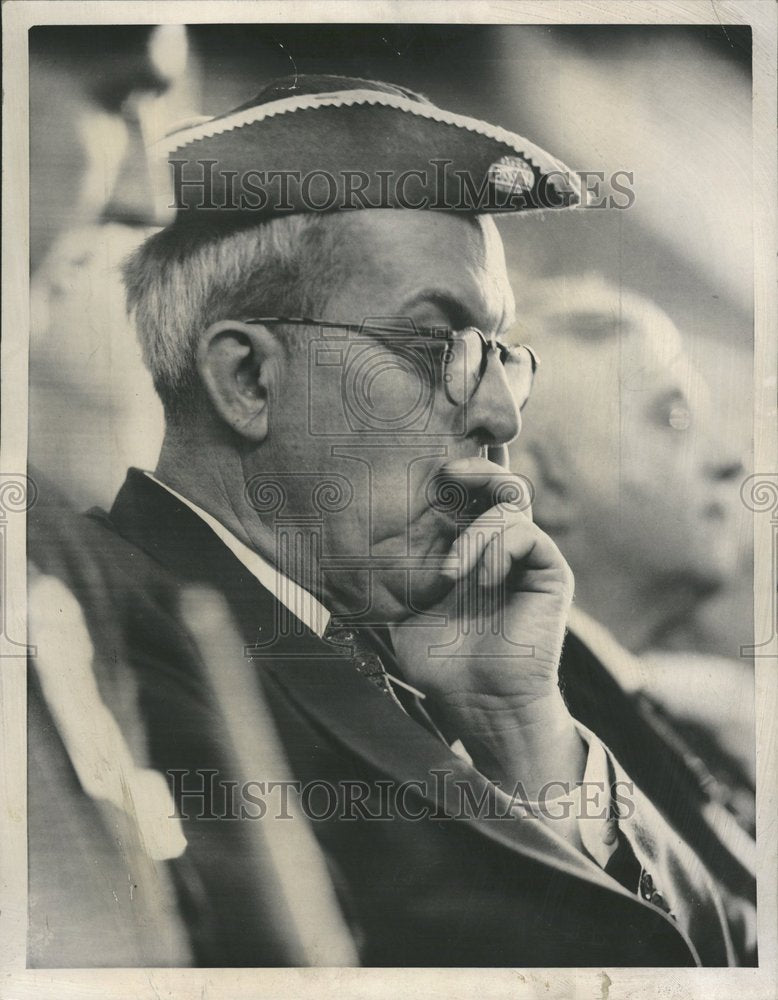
(360, 149)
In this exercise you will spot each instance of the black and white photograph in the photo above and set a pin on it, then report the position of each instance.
(389, 500)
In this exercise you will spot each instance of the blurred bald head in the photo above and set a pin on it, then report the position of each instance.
(620, 441)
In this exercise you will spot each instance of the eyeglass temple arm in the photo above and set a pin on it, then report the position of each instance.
(361, 327)
(351, 327)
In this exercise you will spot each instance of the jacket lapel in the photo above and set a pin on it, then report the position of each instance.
(368, 724)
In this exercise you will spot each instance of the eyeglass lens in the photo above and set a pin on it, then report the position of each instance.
(464, 363)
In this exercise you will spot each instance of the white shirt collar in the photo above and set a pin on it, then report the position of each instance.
(295, 598)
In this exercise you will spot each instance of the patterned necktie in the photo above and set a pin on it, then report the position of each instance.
(366, 660)
(363, 645)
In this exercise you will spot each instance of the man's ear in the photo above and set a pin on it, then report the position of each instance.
(237, 363)
(554, 506)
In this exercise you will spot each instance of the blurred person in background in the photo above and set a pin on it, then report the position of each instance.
(683, 126)
(631, 479)
(95, 94)
(95, 97)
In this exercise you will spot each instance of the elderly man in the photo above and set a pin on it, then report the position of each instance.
(332, 510)
(634, 482)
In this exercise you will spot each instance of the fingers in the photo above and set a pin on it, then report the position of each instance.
(478, 472)
(478, 475)
(488, 484)
(494, 548)
(524, 545)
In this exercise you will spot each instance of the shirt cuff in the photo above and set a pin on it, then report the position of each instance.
(581, 814)
(597, 825)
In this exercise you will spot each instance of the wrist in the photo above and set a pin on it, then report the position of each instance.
(534, 745)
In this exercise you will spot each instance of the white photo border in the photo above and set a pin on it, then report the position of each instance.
(21, 983)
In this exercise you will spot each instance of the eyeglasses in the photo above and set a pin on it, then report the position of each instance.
(464, 355)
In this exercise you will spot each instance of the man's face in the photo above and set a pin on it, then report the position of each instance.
(644, 465)
(369, 412)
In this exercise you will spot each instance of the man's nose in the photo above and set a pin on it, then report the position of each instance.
(493, 416)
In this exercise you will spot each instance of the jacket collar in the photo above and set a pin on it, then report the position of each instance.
(300, 602)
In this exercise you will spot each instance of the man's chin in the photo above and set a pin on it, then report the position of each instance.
(394, 595)
(418, 589)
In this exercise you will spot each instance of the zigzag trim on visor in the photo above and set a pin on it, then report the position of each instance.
(348, 98)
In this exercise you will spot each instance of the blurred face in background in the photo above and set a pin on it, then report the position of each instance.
(98, 95)
(624, 443)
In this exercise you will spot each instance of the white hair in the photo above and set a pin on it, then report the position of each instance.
(183, 279)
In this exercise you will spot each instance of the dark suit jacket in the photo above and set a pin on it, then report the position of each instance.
(434, 891)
